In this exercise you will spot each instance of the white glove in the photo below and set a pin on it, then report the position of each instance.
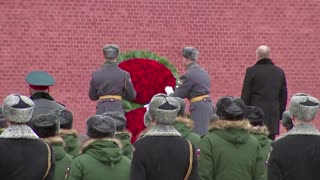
(146, 106)
(169, 90)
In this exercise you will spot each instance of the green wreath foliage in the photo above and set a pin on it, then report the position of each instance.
(151, 56)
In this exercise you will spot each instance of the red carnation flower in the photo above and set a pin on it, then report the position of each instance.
(149, 77)
(135, 122)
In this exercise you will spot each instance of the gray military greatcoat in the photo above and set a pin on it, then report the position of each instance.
(111, 80)
(196, 82)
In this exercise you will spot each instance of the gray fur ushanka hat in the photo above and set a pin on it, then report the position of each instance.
(111, 51)
(190, 53)
(119, 118)
(17, 108)
(304, 107)
(163, 109)
(65, 118)
(99, 126)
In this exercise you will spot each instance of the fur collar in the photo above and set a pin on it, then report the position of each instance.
(63, 132)
(92, 140)
(53, 140)
(20, 131)
(259, 130)
(264, 61)
(143, 132)
(188, 122)
(303, 129)
(162, 130)
(225, 124)
(123, 132)
(41, 95)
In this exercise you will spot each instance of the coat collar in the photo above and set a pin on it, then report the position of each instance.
(54, 140)
(264, 61)
(162, 130)
(225, 124)
(93, 140)
(263, 130)
(41, 95)
(303, 129)
(64, 132)
(20, 131)
(186, 121)
(108, 63)
(191, 65)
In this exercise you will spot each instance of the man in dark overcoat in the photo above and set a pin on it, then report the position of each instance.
(39, 88)
(265, 86)
(195, 85)
(23, 155)
(296, 155)
(110, 84)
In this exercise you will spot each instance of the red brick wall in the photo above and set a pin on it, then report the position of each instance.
(65, 37)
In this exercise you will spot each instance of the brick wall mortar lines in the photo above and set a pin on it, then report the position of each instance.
(65, 38)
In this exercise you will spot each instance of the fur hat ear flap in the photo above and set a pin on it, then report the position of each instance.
(147, 120)
(286, 120)
(119, 118)
(65, 118)
(182, 111)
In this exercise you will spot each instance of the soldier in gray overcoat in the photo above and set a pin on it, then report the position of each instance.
(195, 85)
(110, 84)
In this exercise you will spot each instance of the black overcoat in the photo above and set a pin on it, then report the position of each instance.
(295, 157)
(265, 86)
(25, 159)
(162, 157)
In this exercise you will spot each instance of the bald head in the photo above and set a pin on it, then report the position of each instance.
(263, 51)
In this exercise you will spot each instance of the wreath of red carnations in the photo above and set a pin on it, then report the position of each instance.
(150, 74)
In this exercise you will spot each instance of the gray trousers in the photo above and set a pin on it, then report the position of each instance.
(109, 105)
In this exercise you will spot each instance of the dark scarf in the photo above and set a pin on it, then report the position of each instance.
(264, 61)
(41, 95)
